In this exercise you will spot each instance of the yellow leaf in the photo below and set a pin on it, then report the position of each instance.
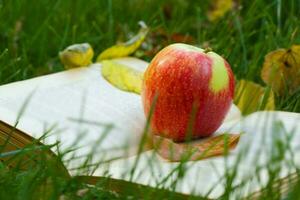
(122, 76)
(281, 70)
(127, 48)
(219, 9)
(77, 55)
(251, 97)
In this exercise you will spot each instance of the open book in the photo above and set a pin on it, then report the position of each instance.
(86, 114)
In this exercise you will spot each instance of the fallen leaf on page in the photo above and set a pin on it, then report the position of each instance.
(121, 76)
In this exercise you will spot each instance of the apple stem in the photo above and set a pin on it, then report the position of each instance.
(208, 49)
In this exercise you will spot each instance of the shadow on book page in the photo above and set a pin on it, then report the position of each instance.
(219, 144)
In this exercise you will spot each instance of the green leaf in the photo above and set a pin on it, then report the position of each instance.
(121, 76)
(127, 48)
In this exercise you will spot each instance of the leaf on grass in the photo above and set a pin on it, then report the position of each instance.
(182, 38)
(250, 97)
(219, 145)
(122, 76)
(281, 70)
(77, 55)
(219, 9)
(127, 48)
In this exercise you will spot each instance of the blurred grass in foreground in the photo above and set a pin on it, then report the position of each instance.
(32, 34)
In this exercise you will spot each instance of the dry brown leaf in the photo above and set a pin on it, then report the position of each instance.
(195, 150)
(182, 38)
(281, 70)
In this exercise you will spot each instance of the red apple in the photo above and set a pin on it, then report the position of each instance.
(194, 90)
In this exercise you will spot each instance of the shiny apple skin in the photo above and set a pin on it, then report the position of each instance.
(180, 78)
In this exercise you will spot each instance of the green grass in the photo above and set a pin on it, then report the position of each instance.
(32, 34)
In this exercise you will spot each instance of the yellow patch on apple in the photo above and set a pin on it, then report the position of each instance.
(219, 79)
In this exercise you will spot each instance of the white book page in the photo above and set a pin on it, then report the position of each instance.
(60, 100)
(261, 133)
